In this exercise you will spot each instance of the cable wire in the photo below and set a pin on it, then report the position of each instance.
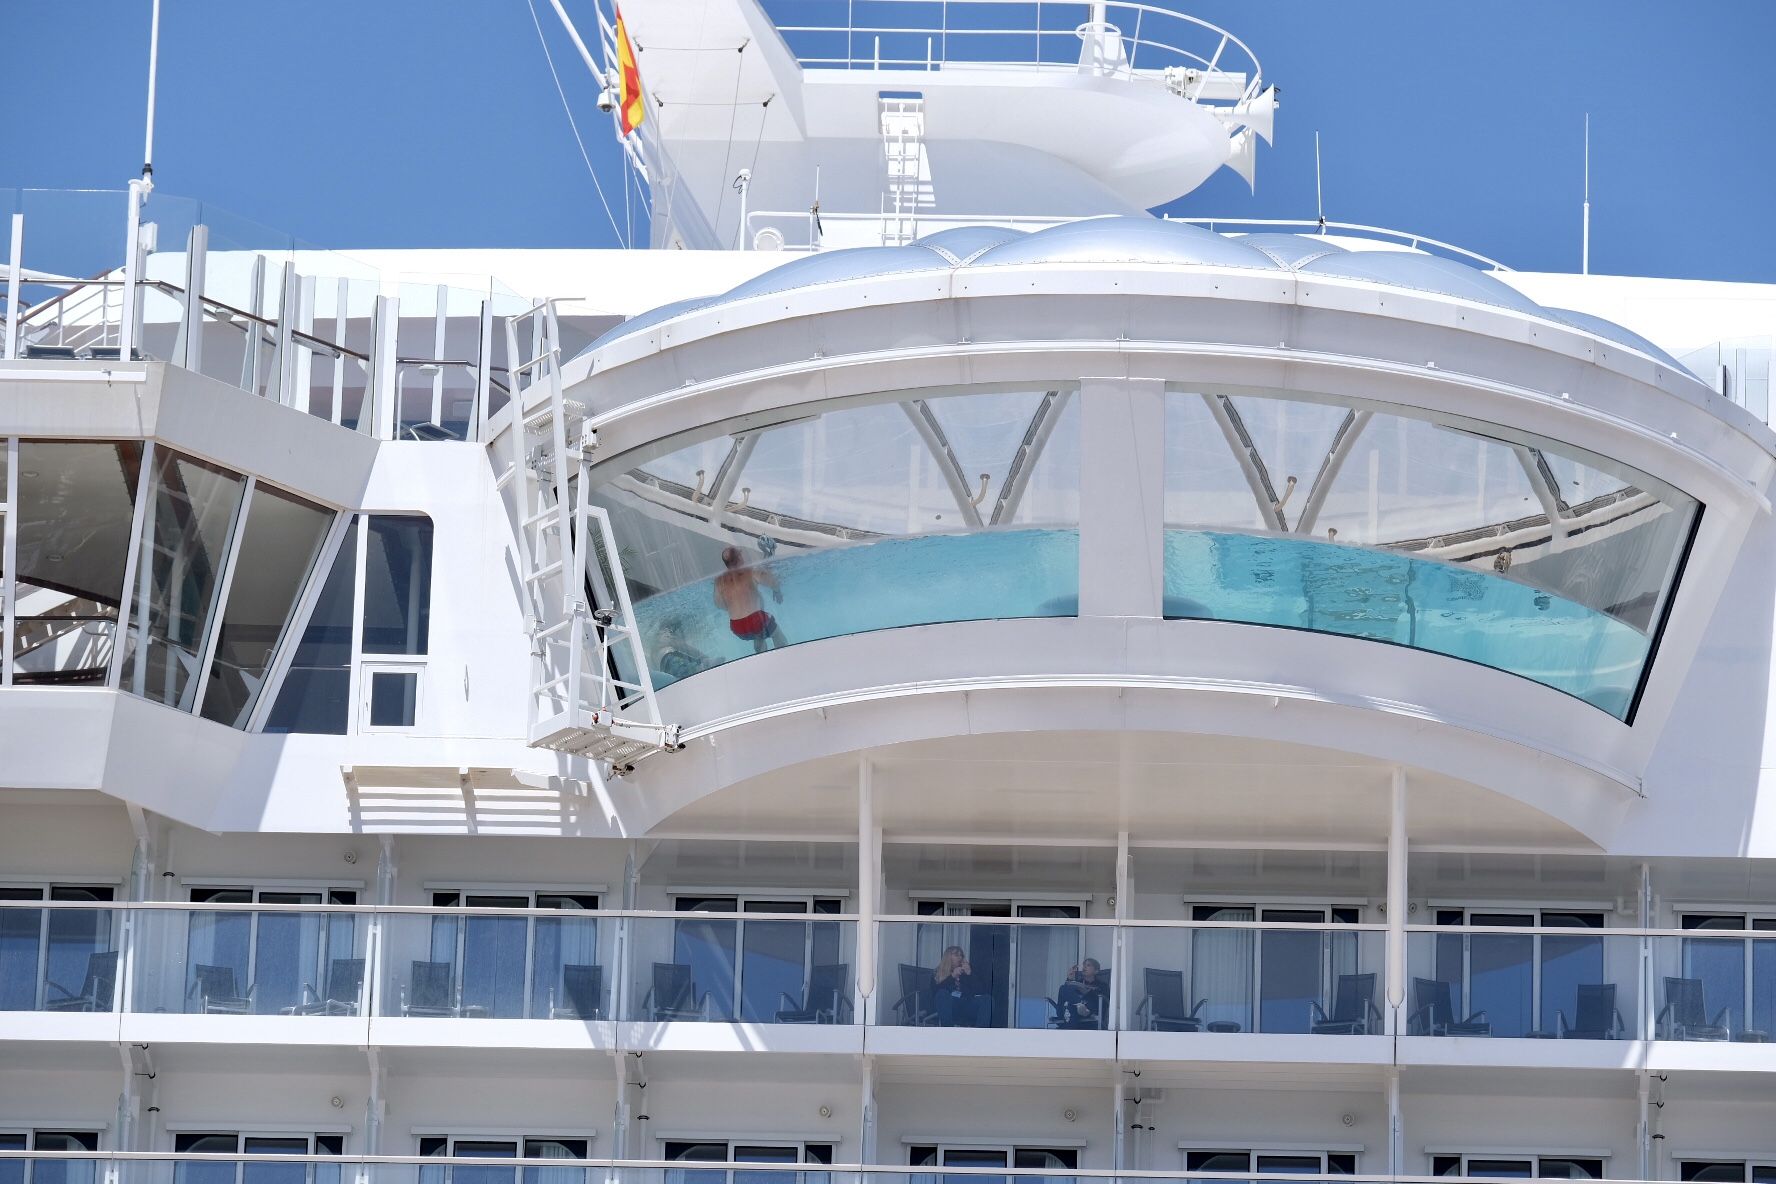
(575, 127)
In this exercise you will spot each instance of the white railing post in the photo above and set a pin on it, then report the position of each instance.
(15, 260)
(283, 354)
(188, 347)
(380, 387)
(483, 370)
(1396, 903)
(249, 380)
(126, 324)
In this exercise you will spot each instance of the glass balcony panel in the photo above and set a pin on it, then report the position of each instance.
(952, 971)
(956, 508)
(1702, 984)
(1519, 554)
(750, 967)
(251, 962)
(462, 964)
(1542, 982)
(57, 959)
(1290, 973)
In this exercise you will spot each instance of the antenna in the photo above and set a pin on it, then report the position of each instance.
(1319, 192)
(1585, 242)
(153, 70)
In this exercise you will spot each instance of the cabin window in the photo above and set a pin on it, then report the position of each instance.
(722, 1151)
(1737, 975)
(568, 1149)
(517, 966)
(49, 1171)
(1726, 1171)
(58, 959)
(1521, 981)
(244, 962)
(744, 967)
(316, 692)
(1527, 1167)
(1273, 1163)
(236, 1143)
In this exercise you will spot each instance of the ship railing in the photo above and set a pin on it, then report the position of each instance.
(1117, 39)
(253, 308)
(564, 1166)
(1407, 239)
(1216, 972)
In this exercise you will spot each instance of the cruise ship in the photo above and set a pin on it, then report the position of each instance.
(916, 671)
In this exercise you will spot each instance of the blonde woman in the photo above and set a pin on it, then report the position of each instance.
(955, 997)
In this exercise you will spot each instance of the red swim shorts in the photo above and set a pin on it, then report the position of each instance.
(752, 626)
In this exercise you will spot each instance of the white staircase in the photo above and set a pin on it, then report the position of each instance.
(590, 691)
(907, 191)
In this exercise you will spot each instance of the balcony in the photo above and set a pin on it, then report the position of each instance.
(1232, 982)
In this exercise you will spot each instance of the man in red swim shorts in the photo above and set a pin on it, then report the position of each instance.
(737, 592)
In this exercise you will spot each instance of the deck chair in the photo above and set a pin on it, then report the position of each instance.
(429, 991)
(1595, 1016)
(582, 993)
(914, 1005)
(96, 989)
(217, 991)
(674, 994)
(1685, 1014)
(345, 986)
(1062, 1016)
(1433, 1012)
(827, 1000)
(1353, 1008)
(1162, 1007)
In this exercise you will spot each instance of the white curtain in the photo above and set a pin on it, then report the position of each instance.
(1221, 962)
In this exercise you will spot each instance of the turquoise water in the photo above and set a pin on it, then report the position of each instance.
(1258, 579)
(837, 591)
(1390, 596)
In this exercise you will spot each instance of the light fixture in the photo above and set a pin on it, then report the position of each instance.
(825, 1111)
(337, 1102)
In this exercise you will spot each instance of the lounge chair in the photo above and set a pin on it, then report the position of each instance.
(345, 986)
(582, 993)
(96, 989)
(217, 991)
(1162, 1007)
(1685, 1014)
(674, 995)
(1434, 1012)
(914, 1006)
(827, 1000)
(1353, 1008)
(1595, 1016)
(430, 991)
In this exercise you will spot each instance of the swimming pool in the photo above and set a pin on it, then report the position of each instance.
(1395, 597)
(1257, 579)
(924, 580)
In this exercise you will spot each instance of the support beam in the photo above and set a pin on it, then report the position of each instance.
(869, 882)
(1245, 453)
(14, 263)
(1121, 497)
(944, 456)
(188, 346)
(1396, 902)
(1396, 1136)
(1342, 443)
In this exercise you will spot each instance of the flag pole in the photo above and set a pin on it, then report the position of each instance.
(153, 71)
(139, 189)
(1585, 241)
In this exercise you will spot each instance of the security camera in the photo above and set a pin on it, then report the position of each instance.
(606, 100)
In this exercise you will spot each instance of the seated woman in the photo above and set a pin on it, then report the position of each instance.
(1083, 996)
(954, 995)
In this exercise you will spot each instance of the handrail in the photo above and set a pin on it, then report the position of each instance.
(1415, 241)
(944, 29)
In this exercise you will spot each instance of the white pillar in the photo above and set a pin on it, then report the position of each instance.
(1121, 497)
(869, 881)
(1396, 1138)
(126, 326)
(1119, 959)
(1396, 902)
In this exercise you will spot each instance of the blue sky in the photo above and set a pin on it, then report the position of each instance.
(354, 123)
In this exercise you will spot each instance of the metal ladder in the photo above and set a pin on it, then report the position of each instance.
(590, 691)
(908, 187)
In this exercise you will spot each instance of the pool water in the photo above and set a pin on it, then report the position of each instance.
(983, 576)
(1259, 579)
(1391, 596)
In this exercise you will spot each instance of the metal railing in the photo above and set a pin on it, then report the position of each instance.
(1121, 39)
(307, 328)
(1416, 242)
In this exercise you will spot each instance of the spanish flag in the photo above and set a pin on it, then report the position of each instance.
(631, 110)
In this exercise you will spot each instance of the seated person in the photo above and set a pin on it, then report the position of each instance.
(1083, 996)
(954, 995)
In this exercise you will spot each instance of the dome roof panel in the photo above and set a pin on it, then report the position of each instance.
(1610, 331)
(960, 244)
(829, 267)
(647, 320)
(1423, 273)
(1291, 250)
(1128, 239)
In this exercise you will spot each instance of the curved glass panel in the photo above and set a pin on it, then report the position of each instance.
(1517, 553)
(952, 508)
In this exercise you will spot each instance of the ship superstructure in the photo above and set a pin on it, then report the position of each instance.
(946, 676)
